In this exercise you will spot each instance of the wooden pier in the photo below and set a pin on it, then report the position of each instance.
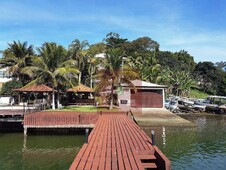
(59, 119)
(116, 142)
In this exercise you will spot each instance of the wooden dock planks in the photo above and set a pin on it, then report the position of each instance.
(116, 142)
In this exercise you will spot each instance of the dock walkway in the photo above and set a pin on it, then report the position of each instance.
(116, 142)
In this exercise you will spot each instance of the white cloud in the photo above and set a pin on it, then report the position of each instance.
(166, 26)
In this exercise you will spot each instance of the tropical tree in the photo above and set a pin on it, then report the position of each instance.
(17, 56)
(142, 54)
(45, 69)
(221, 65)
(152, 73)
(7, 87)
(92, 68)
(113, 40)
(78, 51)
(113, 74)
(208, 76)
(181, 82)
(93, 60)
(178, 61)
(185, 62)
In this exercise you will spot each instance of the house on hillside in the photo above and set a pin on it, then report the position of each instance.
(145, 95)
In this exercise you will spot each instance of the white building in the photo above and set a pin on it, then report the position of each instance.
(4, 76)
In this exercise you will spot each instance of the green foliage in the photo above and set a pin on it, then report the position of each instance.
(113, 40)
(197, 94)
(62, 67)
(179, 82)
(221, 89)
(52, 55)
(77, 50)
(17, 56)
(113, 73)
(178, 61)
(7, 88)
(208, 77)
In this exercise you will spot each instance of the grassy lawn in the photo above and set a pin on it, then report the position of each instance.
(88, 109)
(198, 94)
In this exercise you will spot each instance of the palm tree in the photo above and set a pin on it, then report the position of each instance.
(113, 74)
(93, 60)
(152, 73)
(56, 73)
(77, 51)
(15, 57)
(92, 69)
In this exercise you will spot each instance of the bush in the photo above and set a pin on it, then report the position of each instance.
(7, 88)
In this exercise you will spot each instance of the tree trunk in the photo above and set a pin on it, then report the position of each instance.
(79, 77)
(53, 100)
(91, 78)
(111, 96)
(58, 99)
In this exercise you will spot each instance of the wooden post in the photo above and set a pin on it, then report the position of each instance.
(153, 137)
(87, 135)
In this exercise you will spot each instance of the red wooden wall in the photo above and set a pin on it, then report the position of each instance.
(147, 98)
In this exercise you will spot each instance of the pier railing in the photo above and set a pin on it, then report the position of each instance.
(58, 119)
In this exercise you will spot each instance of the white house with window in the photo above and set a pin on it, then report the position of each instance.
(4, 76)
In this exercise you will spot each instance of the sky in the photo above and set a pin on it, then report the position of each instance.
(196, 26)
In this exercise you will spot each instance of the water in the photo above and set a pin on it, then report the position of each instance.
(38, 151)
(200, 147)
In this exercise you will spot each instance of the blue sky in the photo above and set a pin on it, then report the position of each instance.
(197, 26)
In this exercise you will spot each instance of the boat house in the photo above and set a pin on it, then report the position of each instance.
(141, 95)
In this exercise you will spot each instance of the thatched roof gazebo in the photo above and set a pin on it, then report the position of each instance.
(80, 95)
(35, 88)
(81, 88)
(40, 90)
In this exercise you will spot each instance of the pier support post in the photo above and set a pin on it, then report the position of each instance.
(87, 135)
(25, 131)
(153, 137)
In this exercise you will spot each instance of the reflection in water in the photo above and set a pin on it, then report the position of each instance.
(164, 135)
(200, 147)
(24, 143)
(38, 152)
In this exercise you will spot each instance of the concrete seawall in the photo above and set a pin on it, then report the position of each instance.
(158, 117)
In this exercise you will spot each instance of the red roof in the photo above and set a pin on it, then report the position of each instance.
(80, 88)
(35, 88)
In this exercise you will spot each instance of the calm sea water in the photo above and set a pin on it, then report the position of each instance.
(38, 152)
(200, 147)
